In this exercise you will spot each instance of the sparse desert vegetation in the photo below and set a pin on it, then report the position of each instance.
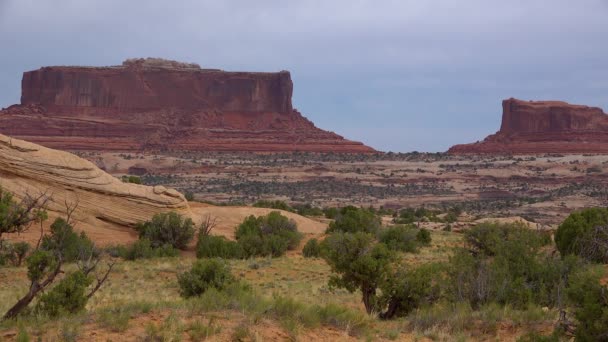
(324, 247)
(364, 278)
(542, 188)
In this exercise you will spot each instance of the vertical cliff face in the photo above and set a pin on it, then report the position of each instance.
(548, 116)
(159, 104)
(146, 88)
(545, 127)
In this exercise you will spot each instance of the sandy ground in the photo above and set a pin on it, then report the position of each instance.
(102, 233)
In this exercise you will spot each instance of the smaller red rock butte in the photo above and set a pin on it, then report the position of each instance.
(157, 104)
(532, 127)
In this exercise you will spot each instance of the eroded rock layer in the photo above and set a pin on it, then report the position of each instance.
(530, 127)
(27, 168)
(164, 105)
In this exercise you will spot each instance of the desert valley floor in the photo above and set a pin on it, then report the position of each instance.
(542, 188)
(289, 296)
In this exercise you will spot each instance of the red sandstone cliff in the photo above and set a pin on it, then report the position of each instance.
(167, 105)
(530, 127)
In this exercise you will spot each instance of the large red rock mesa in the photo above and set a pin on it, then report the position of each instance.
(156, 104)
(531, 127)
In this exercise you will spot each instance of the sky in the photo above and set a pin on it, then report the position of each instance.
(397, 75)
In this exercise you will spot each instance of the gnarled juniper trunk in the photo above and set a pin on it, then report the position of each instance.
(35, 288)
(390, 312)
(369, 300)
(371, 303)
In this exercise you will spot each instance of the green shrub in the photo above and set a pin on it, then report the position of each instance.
(308, 210)
(330, 213)
(405, 290)
(272, 224)
(189, 196)
(272, 235)
(64, 240)
(131, 179)
(250, 226)
(399, 238)
(20, 251)
(13, 253)
(576, 226)
(590, 300)
(143, 249)
(411, 215)
(486, 238)
(593, 245)
(266, 245)
(351, 220)
(16, 217)
(406, 216)
(424, 237)
(358, 263)
(68, 296)
(468, 278)
(167, 228)
(311, 249)
(116, 251)
(277, 224)
(517, 274)
(450, 217)
(45, 264)
(39, 263)
(205, 274)
(209, 246)
(276, 245)
(253, 245)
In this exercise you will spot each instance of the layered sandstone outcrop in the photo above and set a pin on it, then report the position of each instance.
(154, 104)
(27, 168)
(530, 127)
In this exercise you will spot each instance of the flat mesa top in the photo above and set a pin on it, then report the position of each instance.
(549, 103)
(156, 64)
(120, 69)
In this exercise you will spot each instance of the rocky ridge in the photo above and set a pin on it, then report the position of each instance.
(155, 104)
(102, 199)
(532, 127)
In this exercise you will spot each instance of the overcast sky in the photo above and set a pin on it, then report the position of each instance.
(398, 75)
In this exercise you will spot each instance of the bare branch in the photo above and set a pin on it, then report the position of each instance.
(70, 208)
(209, 222)
(87, 264)
(101, 280)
